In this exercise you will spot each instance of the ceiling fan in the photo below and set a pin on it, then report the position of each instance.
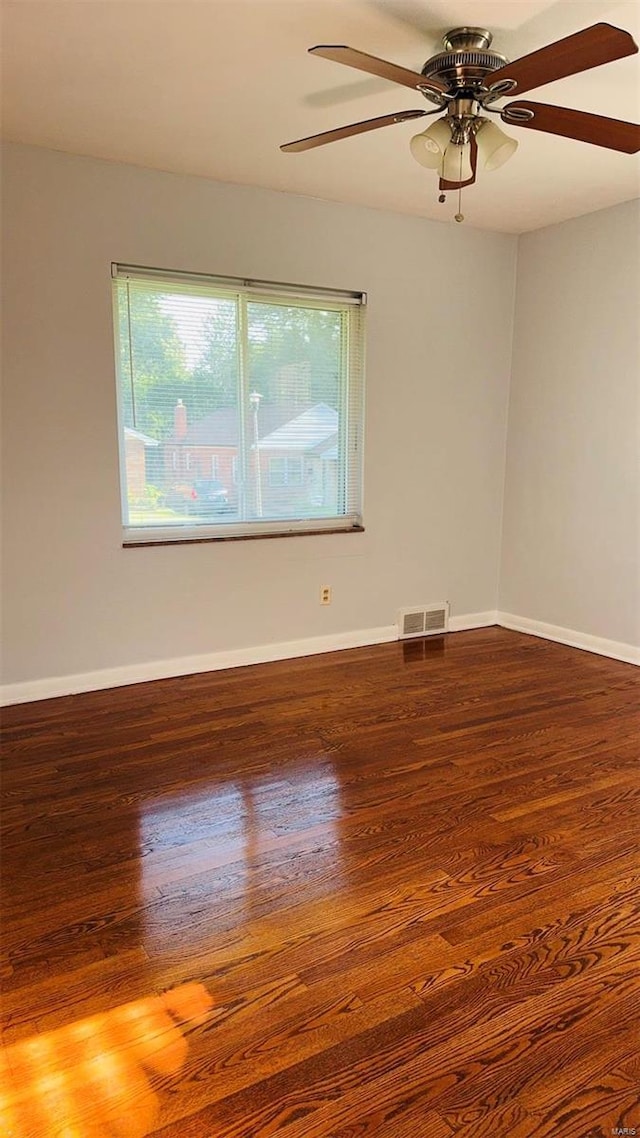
(466, 79)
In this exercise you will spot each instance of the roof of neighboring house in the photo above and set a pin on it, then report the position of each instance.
(130, 433)
(309, 430)
(283, 426)
(328, 448)
(222, 428)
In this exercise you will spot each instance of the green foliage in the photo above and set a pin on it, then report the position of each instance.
(153, 370)
(294, 352)
(215, 374)
(152, 498)
(293, 356)
(154, 495)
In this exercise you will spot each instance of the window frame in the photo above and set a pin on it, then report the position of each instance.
(351, 408)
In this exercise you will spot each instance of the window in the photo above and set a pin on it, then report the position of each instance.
(268, 375)
(285, 471)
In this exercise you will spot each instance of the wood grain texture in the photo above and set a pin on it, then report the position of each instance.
(407, 875)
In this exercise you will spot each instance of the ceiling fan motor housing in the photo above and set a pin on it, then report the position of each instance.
(467, 60)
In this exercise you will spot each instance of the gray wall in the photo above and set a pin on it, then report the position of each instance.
(572, 502)
(437, 386)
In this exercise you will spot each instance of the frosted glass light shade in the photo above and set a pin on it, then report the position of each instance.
(494, 146)
(428, 148)
(452, 170)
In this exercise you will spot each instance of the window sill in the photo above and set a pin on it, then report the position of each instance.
(145, 543)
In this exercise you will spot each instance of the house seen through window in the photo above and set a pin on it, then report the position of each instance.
(240, 406)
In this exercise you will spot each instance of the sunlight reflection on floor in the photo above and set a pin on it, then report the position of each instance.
(231, 845)
(94, 1077)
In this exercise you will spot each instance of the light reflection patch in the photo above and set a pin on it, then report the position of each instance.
(92, 1078)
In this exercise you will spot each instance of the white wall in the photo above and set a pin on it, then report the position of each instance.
(438, 352)
(572, 503)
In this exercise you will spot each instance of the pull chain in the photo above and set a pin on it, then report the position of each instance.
(442, 197)
(460, 215)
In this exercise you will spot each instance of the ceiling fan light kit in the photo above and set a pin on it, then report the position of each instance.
(428, 148)
(467, 79)
(456, 164)
(438, 147)
(494, 146)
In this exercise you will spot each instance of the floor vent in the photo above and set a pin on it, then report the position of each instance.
(423, 620)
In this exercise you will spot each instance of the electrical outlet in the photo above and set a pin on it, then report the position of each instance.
(325, 594)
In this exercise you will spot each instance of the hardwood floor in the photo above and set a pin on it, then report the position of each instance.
(406, 875)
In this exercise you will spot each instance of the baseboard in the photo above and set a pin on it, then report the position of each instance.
(52, 687)
(188, 665)
(615, 649)
(472, 620)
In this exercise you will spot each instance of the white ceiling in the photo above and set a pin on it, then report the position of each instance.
(212, 87)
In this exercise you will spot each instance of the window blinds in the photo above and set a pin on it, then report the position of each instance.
(240, 406)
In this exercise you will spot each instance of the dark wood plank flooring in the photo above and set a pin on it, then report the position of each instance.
(406, 875)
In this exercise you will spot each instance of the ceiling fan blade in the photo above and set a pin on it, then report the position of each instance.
(445, 185)
(338, 53)
(347, 131)
(601, 43)
(614, 134)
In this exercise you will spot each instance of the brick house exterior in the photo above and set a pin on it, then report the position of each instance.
(297, 447)
(140, 455)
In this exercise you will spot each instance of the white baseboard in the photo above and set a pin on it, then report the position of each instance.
(472, 620)
(615, 649)
(188, 665)
(52, 687)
